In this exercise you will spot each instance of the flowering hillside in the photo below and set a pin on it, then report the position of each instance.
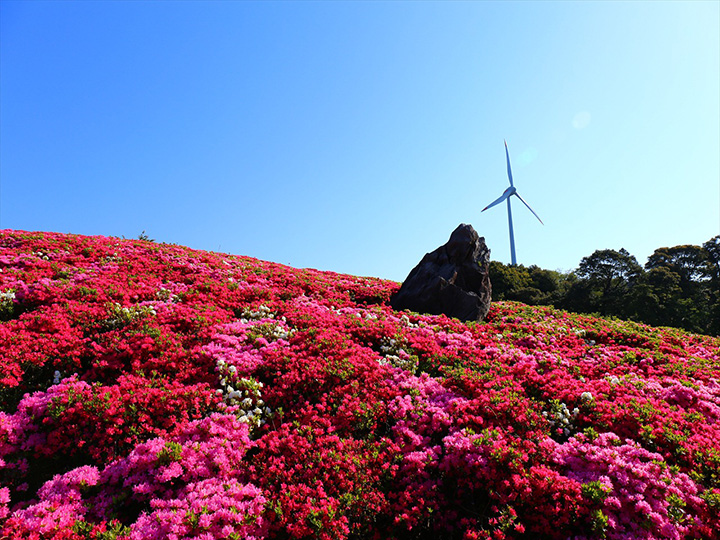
(150, 391)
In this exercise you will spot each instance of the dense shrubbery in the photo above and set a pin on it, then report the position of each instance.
(150, 391)
(679, 286)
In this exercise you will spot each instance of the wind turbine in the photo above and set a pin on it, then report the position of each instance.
(506, 197)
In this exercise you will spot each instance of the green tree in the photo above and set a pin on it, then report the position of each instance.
(606, 279)
(679, 286)
(712, 248)
(695, 300)
(507, 279)
(656, 299)
(532, 285)
(691, 263)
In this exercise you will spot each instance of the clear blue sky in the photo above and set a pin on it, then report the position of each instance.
(356, 136)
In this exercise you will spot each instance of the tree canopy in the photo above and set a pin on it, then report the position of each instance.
(678, 286)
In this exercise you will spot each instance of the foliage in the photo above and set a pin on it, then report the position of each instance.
(679, 286)
(532, 285)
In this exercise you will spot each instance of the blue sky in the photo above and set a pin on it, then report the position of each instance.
(355, 136)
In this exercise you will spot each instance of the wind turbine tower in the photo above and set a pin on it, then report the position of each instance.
(509, 192)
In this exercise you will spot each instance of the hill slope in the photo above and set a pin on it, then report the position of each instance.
(153, 391)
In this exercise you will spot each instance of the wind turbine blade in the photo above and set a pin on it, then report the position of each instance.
(507, 156)
(497, 201)
(526, 204)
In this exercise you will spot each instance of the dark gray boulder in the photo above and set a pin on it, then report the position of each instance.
(453, 280)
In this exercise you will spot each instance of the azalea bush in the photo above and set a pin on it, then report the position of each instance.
(150, 391)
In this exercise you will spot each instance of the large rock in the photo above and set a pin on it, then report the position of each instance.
(454, 279)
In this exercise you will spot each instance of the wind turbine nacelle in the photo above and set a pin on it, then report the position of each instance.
(509, 191)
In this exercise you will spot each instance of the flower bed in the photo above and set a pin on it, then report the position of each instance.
(153, 391)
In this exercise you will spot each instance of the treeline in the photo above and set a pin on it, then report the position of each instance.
(678, 286)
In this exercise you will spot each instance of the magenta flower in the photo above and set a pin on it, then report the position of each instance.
(153, 391)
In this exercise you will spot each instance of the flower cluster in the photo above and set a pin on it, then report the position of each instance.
(244, 396)
(395, 355)
(188, 485)
(7, 304)
(633, 489)
(121, 316)
(150, 391)
(561, 417)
